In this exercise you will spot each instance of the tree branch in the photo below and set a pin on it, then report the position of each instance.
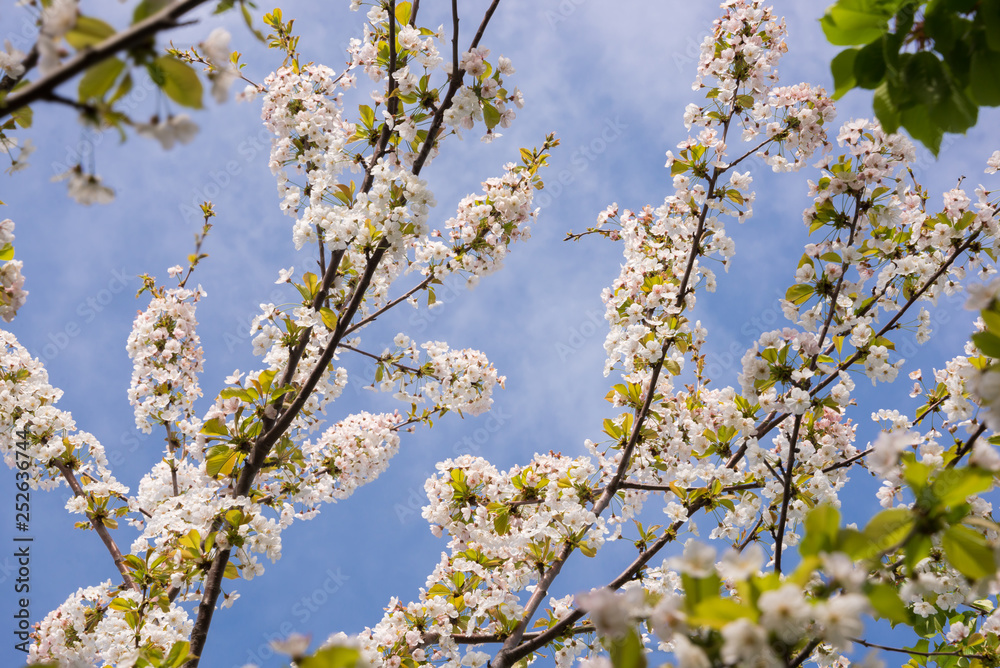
(914, 652)
(99, 527)
(513, 649)
(458, 75)
(967, 446)
(786, 495)
(164, 19)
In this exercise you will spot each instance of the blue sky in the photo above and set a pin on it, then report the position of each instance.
(611, 79)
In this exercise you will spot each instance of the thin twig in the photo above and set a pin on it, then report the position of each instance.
(514, 649)
(371, 318)
(787, 493)
(164, 19)
(967, 446)
(102, 531)
(914, 652)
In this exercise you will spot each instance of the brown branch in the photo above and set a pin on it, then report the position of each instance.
(840, 284)
(482, 638)
(967, 446)
(787, 493)
(99, 527)
(392, 102)
(29, 62)
(804, 654)
(457, 75)
(164, 19)
(750, 534)
(847, 462)
(513, 649)
(770, 423)
(914, 652)
(371, 318)
(82, 107)
(665, 488)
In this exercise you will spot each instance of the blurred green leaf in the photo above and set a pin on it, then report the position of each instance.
(87, 32)
(968, 552)
(99, 79)
(178, 80)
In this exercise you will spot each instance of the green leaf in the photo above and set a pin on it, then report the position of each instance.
(403, 10)
(918, 548)
(147, 8)
(918, 123)
(955, 113)
(178, 80)
(924, 76)
(134, 561)
(502, 522)
(628, 652)
(221, 460)
(968, 552)
(984, 84)
(121, 604)
(799, 293)
(889, 527)
(368, 116)
(329, 318)
(988, 14)
(885, 108)
(887, 604)
(822, 525)
(179, 653)
(237, 392)
(123, 88)
(88, 31)
(851, 23)
(311, 282)
(332, 657)
(491, 115)
(215, 427)
(988, 343)
(869, 66)
(842, 67)
(717, 612)
(992, 320)
(954, 485)
(7, 252)
(23, 117)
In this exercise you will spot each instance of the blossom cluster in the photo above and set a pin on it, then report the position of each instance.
(449, 380)
(166, 359)
(505, 528)
(12, 292)
(483, 229)
(91, 628)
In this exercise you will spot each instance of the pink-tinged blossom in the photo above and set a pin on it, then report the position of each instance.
(993, 163)
(483, 229)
